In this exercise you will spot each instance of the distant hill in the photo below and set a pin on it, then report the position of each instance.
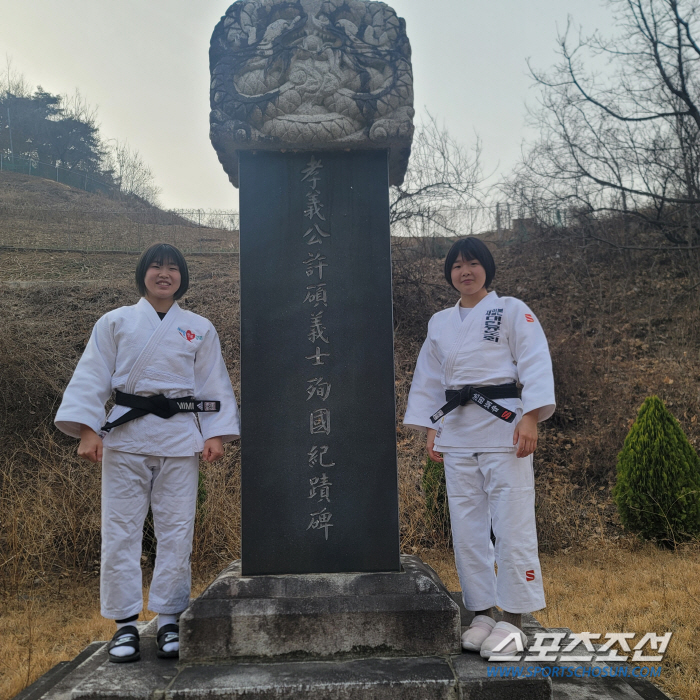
(38, 213)
(29, 191)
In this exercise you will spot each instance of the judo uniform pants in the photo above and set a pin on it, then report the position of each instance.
(495, 490)
(129, 483)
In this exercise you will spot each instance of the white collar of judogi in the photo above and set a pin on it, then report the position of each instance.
(486, 301)
(146, 307)
(160, 331)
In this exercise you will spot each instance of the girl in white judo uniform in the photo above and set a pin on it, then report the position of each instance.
(151, 349)
(487, 439)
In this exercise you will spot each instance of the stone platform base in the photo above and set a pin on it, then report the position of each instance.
(455, 677)
(386, 636)
(406, 678)
(322, 617)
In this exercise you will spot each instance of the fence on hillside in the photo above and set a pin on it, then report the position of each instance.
(216, 230)
(72, 178)
(502, 223)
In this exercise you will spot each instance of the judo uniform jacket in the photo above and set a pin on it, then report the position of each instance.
(500, 341)
(132, 350)
(149, 460)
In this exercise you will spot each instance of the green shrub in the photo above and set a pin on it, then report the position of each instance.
(658, 477)
(437, 509)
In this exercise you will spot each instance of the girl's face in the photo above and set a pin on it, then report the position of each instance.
(162, 280)
(469, 278)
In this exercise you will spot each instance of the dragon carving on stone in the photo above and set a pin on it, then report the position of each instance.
(311, 75)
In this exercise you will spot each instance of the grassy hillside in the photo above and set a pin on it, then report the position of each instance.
(621, 325)
(38, 213)
(31, 192)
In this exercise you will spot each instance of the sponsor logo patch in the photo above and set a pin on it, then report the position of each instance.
(530, 575)
(189, 335)
(529, 319)
(492, 325)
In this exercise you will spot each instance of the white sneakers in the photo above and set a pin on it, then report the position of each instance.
(485, 634)
(498, 635)
(478, 632)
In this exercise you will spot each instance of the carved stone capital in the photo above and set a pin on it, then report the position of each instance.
(311, 75)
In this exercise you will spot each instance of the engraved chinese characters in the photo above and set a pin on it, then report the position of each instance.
(318, 389)
(312, 116)
(319, 482)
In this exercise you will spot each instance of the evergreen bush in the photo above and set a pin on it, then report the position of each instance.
(437, 508)
(658, 477)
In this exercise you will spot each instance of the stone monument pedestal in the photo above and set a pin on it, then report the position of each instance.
(365, 636)
(321, 616)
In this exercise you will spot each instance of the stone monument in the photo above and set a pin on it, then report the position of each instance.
(312, 118)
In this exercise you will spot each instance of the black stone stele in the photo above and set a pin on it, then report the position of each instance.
(319, 476)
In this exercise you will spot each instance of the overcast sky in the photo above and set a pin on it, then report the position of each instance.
(144, 63)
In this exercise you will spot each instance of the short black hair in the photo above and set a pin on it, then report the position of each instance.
(162, 253)
(471, 249)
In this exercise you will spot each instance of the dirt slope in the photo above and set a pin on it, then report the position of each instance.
(38, 213)
(31, 192)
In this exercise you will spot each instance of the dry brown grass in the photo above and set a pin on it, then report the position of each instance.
(52, 620)
(631, 587)
(44, 623)
(39, 213)
(622, 587)
(18, 190)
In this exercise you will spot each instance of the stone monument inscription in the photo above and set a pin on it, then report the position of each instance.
(311, 115)
(319, 475)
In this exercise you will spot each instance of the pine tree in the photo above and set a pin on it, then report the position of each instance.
(658, 477)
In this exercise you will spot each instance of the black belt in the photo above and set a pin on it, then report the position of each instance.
(482, 396)
(160, 406)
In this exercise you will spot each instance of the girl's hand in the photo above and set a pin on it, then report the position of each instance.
(213, 449)
(525, 435)
(435, 456)
(90, 446)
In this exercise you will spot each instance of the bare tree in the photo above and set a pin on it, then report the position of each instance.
(13, 82)
(77, 107)
(440, 197)
(620, 123)
(132, 174)
(442, 185)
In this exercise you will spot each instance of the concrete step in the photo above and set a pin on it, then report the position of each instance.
(463, 676)
(321, 617)
(458, 677)
(407, 678)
